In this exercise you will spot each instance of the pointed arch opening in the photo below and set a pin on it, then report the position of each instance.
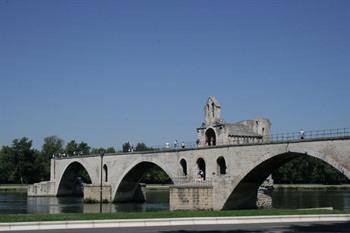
(201, 168)
(132, 188)
(183, 164)
(72, 180)
(210, 137)
(221, 165)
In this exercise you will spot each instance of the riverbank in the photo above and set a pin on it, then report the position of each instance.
(13, 187)
(163, 214)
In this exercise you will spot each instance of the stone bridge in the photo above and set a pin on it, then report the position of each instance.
(232, 173)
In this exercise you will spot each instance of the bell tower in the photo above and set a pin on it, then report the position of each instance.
(212, 111)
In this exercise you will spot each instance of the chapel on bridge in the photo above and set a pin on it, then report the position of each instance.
(215, 131)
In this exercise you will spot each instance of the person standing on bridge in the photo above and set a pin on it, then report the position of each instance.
(201, 175)
(302, 134)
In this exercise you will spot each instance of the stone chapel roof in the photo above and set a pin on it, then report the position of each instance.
(238, 129)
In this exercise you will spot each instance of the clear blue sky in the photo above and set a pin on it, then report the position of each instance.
(107, 72)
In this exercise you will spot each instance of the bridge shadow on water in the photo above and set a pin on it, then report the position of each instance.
(264, 228)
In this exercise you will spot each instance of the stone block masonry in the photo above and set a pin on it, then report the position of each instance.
(44, 188)
(92, 193)
(191, 197)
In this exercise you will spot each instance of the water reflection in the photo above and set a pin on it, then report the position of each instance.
(13, 202)
(18, 202)
(292, 199)
(54, 205)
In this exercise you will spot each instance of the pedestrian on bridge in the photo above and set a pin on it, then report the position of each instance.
(302, 134)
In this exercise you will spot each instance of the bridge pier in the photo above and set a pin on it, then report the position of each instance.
(191, 197)
(92, 193)
(42, 189)
(131, 192)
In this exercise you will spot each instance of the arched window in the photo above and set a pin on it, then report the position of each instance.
(210, 137)
(221, 165)
(105, 169)
(201, 167)
(184, 166)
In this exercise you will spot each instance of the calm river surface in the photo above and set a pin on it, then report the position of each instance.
(18, 202)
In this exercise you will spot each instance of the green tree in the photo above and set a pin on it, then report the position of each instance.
(95, 151)
(71, 147)
(19, 163)
(142, 147)
(307, 169)
(155, 175)
(7, 165)
(126, 147)
(110, 150)
(83, 148)
(53, 145)
(24, 157)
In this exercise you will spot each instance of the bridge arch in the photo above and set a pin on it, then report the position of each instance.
(72, 179)
(127, 187)
(244, 193)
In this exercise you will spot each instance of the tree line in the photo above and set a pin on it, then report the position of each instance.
(308, 170)
(20, 163)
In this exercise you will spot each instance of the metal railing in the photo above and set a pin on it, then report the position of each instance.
(278, 138)
(310, 135)
(267, 139)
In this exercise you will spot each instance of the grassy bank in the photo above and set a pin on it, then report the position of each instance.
(158, 214)
(312, 186)
(14, 187)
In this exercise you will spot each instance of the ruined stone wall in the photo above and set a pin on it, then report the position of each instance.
(44, 188)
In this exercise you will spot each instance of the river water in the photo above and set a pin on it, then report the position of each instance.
(18, 202)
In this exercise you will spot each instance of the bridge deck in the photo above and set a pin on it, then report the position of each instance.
(268, 142)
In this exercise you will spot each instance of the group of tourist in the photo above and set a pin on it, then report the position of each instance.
(200, 176)
(63, 155)
(176, 145)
